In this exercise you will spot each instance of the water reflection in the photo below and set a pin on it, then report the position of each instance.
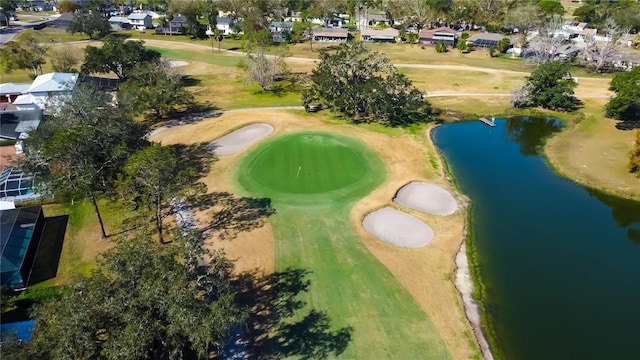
(530, 132)
(625, 212)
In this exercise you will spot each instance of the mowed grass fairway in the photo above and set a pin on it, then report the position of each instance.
(313, 231)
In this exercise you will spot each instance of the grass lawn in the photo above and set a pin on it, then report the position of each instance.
(313, 231)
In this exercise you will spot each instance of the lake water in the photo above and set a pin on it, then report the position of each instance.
(560, 262)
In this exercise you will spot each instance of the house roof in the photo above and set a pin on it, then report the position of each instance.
(25, 99)
(13, 88)
(12, 123)
(15, 240)
(377, 17)
(65, 17)
(179, 19)
(282, 24)
(431, 32)
(224, 20)
(118, 19)
(53, 82)
(486, 36)
(138, 16)
(336, 32)
(390, 32)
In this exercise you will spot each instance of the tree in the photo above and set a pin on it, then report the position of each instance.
(68, 6)
(154, 86)
(25, 52)
(364, 86)
(158, 182)
(625, 105)
(601, 55)
(91, 23)
(78, 153)
(551, 7)
(64, 59)
(503, 45)
(143, 300)
(265, 69)
(118, 56)
(549, 88)
(7, 7)
(441, 47)
(634, 161)
(524, 17)
(544, 46)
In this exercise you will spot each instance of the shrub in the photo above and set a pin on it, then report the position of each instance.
(441, 47)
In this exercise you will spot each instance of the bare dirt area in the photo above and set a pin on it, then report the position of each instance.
(426, 272)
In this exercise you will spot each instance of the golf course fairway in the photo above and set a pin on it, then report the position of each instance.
(314, 179)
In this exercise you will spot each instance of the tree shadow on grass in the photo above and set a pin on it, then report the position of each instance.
(230, 215)
(275, 329)
(195, 156)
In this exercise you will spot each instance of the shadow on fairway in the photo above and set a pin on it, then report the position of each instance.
(230, 215)
(272, 329)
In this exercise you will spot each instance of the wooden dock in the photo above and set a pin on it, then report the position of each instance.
(491, 122)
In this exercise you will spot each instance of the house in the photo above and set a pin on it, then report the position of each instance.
(485, 40)
(576, 31)
(330, 34)
(173, 26)
(118, 23)
(10, 91)
(19, 239)
(61, 22)
(389, 35)
(281, 30)
(335, 22)
(442, 34)
(15, 124)
(140, 21)
(16, 186)
(45, 89)
(627, 61)
(293, 16)
(567, 52)
(224, 24)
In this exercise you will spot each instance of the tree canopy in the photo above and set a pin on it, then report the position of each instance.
(118, 56)
(25, 52)
(143, 300)
(365, 87)
(625, 105)
(91, 23)
(548, 87)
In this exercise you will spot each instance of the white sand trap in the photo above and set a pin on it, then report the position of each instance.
(397, 228)
(239, 139)
(427, 198)
(175, 63)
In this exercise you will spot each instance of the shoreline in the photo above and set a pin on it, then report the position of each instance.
(463, 278)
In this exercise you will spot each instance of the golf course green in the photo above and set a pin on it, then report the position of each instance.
(314, 179)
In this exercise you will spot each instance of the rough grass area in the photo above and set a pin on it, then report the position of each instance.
(315, 233)
(595, 153)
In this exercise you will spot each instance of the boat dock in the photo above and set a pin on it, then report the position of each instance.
(491, 122)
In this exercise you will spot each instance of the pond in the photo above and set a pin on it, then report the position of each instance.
(560, 262)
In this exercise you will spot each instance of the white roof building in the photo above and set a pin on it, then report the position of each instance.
(44, 89)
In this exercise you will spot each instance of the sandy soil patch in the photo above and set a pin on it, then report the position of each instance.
(427, 198)
(239, 139)
(398, 228)
(426, 272)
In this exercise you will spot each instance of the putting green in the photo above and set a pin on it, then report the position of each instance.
(310, 166)
(313, 231)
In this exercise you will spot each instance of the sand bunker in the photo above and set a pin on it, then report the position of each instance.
(427, 198)
(239, 139)
(175, 63)
(397, 228)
